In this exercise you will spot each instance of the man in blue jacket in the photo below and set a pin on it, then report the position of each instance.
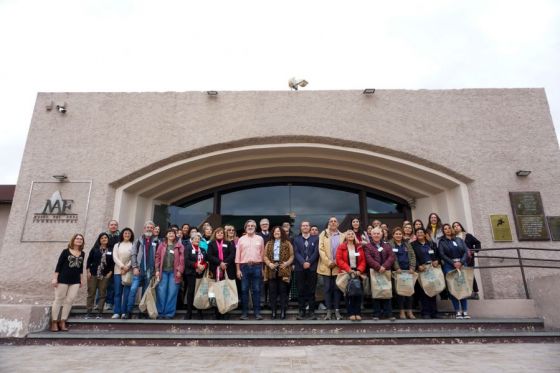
(306, 250)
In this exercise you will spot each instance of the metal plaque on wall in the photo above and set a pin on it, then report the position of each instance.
(501, 230)
(529, 216)
(554, 227)
(56, 210)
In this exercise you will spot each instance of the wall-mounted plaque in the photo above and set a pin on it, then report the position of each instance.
(56, 210)
(554, 227)
(529, 216)
(501, 230)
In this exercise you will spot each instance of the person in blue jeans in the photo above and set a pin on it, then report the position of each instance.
(170, 264)
(454, 255)
(122, 253)
(143, 264)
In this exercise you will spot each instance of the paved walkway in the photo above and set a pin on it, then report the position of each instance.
(470, 358)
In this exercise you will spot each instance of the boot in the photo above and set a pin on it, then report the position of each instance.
(301, 315)
(54, 326)
(337, 314)
(402, 315)
(410, 315)
(283, 313)
(62, 326)
(328, 315)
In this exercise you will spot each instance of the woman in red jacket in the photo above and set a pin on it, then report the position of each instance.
(350, 259)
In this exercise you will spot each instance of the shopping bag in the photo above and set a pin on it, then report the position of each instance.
(366, 285)
(432, 280)
(342, 281)
(148, 302)
(201, 300)
(225, 294)
(404, 283)
(460, 282)
(381, 287)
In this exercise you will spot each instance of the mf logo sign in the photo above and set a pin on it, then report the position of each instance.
(57, 205)
(56, 210)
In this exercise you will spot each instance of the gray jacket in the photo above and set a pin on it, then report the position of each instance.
(146, 267)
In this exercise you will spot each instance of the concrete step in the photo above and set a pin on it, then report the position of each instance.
(304, 327)
(271, 339)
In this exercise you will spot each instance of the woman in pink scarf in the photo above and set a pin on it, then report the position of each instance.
(221, 257)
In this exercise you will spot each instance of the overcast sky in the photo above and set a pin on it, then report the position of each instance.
(117, 45)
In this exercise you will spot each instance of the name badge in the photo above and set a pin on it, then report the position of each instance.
(356, 254)
(224, 246)
(454, 243)
(154, 243)
(430, 251)
(109, 253)
(380, 249)
(171, 252)
(194, 252)
(395, 250)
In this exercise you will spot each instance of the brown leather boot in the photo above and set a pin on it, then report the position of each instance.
(54, 326)
(62, 326)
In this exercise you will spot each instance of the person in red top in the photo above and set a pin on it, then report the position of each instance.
(196, 262)
(350, 259)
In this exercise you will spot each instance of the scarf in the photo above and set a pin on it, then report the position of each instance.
(103, 264)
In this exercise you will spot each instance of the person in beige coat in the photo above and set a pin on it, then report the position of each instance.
(329, 240)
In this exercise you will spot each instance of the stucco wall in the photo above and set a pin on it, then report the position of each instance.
(479, 135)
(4, 214)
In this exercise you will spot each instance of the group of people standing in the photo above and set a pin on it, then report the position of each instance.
(118, 265)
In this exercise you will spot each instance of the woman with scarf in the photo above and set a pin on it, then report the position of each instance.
(170, 263)
(99, 267)
(221, 257)
(278, 258)
(196, 262)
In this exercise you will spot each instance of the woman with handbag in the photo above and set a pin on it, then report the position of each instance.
(99, 268)
(426, 255)
(474, 246)
(453, 253)
(405, 261)
(170, 264)
(278, 259)
(221, 258)
(196, 262)
(351, 260)
(122, 273)
(67, 281)
(380, 258)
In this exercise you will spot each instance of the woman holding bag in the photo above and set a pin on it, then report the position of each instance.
(350, 259)
(454, 254)
(196, 262)
(278, 258)
(474, 246)
(426, 255)
(221, 258)
(405, 261)
(170, 263)
(380, 258)
(122, 273)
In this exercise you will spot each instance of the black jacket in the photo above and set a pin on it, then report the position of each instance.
(423, 256)
(229, 258)
(191, 258)
(94, 260)
(454, 248)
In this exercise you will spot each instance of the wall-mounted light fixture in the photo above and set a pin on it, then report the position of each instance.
(523, 173)
(61, 177)
(212, 93)
(368, 91)
(294, 83)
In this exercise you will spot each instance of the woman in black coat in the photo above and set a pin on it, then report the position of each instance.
(221, 259)
(196, 262)
(474, 246)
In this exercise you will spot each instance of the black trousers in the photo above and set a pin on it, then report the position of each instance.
(428, 304)
(306, 281)
(190, 284)
(405, 303)
(277, 286)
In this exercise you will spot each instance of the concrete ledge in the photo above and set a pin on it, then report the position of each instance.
(496, 308)
(546, 293)
(16, 321)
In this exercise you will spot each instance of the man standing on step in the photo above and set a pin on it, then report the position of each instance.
(249, 262)
(143, 263)
(306, 250)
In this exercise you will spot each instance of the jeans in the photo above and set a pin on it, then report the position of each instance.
(306, 281)
(251, 277)
(332, 293)
(458, 305)
(167, 289)
(137, 281)
(121, 295)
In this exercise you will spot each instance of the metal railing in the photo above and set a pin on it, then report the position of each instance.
(519, 258)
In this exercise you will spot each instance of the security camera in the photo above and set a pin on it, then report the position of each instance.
(61, 109)
(296, 83)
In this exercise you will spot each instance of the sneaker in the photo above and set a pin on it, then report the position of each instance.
(328, 315)
(459, 316)
(466, 315)
(124, 316)
(99, 316)
(300, 316)
(375, 318)
(115, 316)
(392, 318)
(108, 307)
(244, 317)
(96, 307)
(258, 317)
(337, 314)
(87, 316)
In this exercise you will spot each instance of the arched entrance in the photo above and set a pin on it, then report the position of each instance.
(423, 187)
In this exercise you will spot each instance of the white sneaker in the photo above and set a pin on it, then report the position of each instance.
(96, 307)
(466, 315)
(108, 307)
(116, 316)
(459, 316)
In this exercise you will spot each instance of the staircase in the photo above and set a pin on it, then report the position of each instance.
(291, 332)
